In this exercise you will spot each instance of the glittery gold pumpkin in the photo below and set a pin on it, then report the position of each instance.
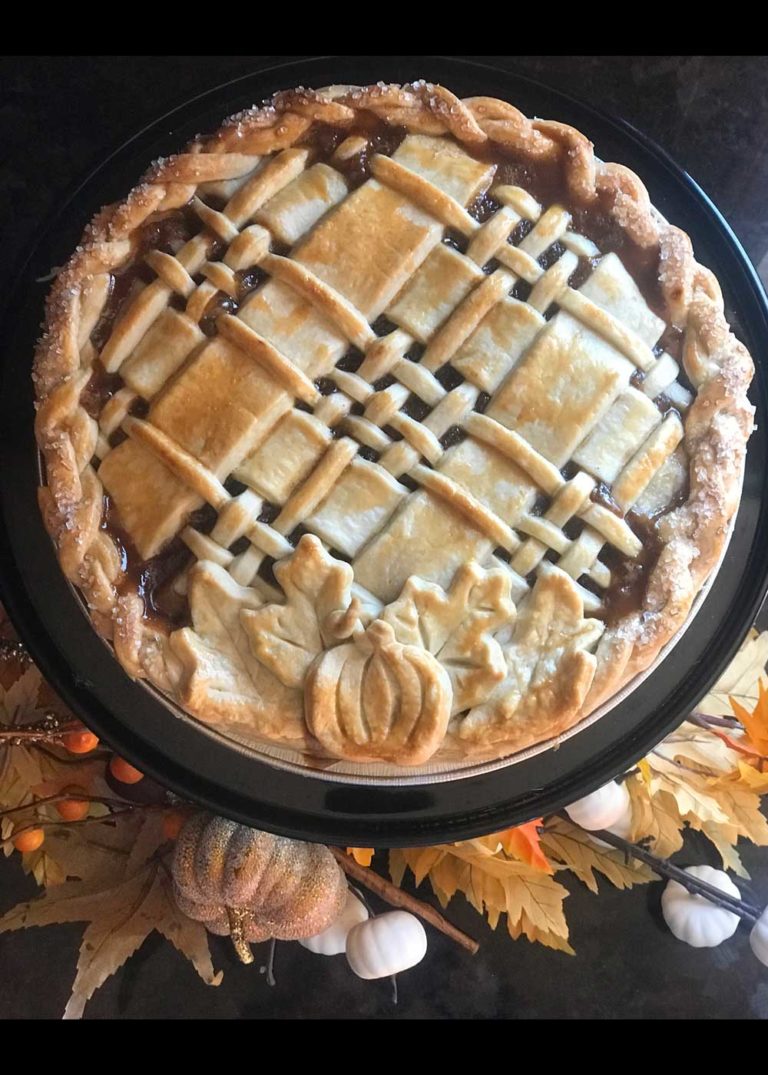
(252, 885)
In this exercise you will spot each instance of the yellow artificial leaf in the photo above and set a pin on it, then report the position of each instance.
(685, 785)
(753, 778)
(419, 860)
(494, 884)
(645, 771)
(720, 836)
(655, 817)
(740, 679)
(697, 748)
(571, 846)
(742, 807)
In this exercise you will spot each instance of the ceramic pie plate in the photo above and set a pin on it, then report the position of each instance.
(367, 805)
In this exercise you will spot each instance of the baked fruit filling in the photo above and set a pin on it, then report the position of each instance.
(383, 435)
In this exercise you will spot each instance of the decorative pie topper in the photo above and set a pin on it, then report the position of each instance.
(384, 688)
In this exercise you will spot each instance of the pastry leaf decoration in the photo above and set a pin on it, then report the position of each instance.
(318, 612)
(457, 626)
(549, 666)
(220, 675)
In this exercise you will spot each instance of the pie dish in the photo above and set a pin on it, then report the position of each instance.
(388, 426)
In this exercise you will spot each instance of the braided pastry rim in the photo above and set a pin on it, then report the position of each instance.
(716, 427)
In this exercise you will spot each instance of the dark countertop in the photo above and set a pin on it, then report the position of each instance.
(61, 115)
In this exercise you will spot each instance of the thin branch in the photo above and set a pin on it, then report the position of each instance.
(705, 720)
(41, 734)
(396, 897)
(665, 868)
(114, 804)
(129, 809)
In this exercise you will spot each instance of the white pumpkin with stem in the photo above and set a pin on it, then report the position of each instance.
(758, 938)
(333, 940)
(609, 808)
(385, 945)
(695, 919)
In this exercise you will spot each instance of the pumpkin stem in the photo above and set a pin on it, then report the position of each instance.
(237, 917)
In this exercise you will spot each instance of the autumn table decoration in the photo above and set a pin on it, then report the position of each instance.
(114, 850)
(253, 886)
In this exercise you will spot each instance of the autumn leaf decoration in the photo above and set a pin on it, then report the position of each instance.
(109, 870)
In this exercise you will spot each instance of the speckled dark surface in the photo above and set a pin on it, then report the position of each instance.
(60, 115)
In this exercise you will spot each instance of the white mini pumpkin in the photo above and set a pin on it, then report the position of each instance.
(607, 808)
(333, 940)
(758, 938)
(386, 944)
(694, 919)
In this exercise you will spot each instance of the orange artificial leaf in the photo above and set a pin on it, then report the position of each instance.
(363, 856)
(756, 722)
(523, 842)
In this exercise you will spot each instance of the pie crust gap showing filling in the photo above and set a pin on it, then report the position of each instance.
(389, 427)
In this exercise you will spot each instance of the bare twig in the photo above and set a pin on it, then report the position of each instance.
(396, 897)
(665, 868)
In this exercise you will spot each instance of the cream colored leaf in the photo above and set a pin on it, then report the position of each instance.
(287, 637)
(740, 679)
(126, 917)
(691, 796)
(149, 838)
(19, 703)
(571, 846)
(550, 940)
(707, 752)
(419, 860)
(742, 809)
(550, 668)
(655, 817)
(457, 626)
(724, 842)
(188, 937)
(43, 867)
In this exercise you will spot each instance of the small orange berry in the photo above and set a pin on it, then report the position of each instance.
(75, 808)
(29, 840)
(172, 823)
(80, 742)
(123, 771)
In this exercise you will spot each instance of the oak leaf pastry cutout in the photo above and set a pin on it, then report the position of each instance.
(386, 426)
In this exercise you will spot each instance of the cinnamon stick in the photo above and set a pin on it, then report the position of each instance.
(396, 897)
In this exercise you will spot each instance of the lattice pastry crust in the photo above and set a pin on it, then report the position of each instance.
(405, 562)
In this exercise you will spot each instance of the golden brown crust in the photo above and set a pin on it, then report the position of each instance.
(719, 367)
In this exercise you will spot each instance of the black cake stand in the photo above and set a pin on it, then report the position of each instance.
(207, 768)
